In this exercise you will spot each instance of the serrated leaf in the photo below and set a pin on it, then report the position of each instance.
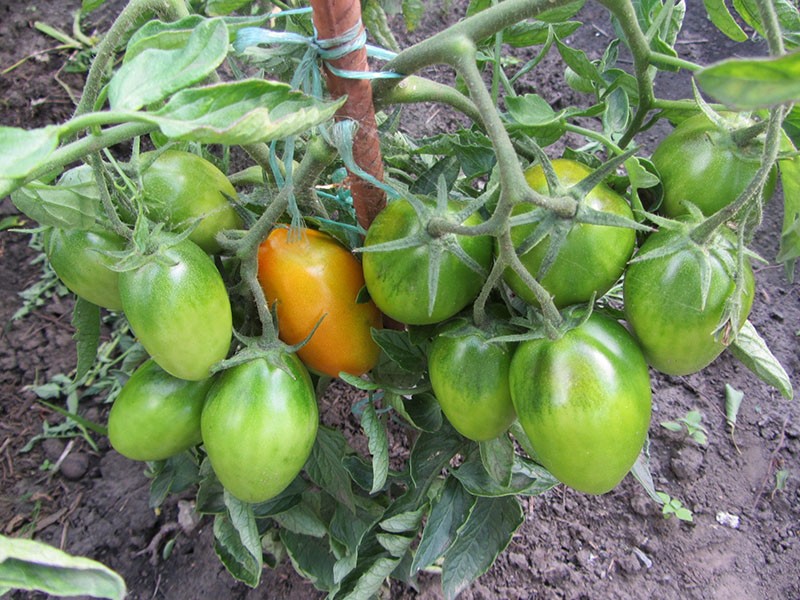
(399, 349)
(485, 534)
(375, 430)
(449, 167)
(579, 62)
(325, 467)
(430, 454)
(56, 206)
(733, 401)
(394, 544)
(421, 410)
(310, 559)
(225, 7)
(753, 83)
(377, 23)
(35, 566)
(23, 150)
(241, 112)
(174, 475)
(790, 232)
(497, 456)
(752, 351)
(86, 321)
(236, 541)
(302, 518)
(722, 19)
(406, 521)
(371, 579)
(448, 514)
(531, 110)
(527, 478)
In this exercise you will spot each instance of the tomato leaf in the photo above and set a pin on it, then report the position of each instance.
(241, 112)
(413, 10)
(155, 74)
(236, 541)
(224, 7)
(722, 19)
(448, 514)
(752, 351)
(399, 349)
(753, 83)
(310, 559)
(326, 469)
(304, 517)
(485, 534)
(375, 430)
(527, 479)
(733, 401)
(497, 456)
(421, 410)
(56, 206)
(790, 234)
(86, 321)
(35, 566)
(22, 151)
(370, 577)
(172, 476)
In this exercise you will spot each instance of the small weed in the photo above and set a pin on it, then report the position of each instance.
(674, 507)
(781, 476)
(690, 425)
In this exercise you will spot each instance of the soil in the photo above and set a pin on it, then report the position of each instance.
(570, 546)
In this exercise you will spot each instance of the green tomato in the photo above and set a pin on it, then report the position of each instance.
(702, 164)
(156, 415)
(584, 401)
(178, 307)
(664, 301)
(591, 259)
(181, 188)
(397, 280)
(469, 376)
(259, 425)
(78, 258)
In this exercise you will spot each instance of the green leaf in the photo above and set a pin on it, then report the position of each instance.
(398, 347)
(371, 579)
(86, 321)
(733, 401)
(225, 7)
(790, 233)
(449, 167)
(241, 112)
(155, 74)
(310, 559)
(535, 33)
(430, 454)
(375, 430)
(23, 150)
(377, 23)
(303, 518)
(325, 466)
(527, 478)
(531, 110)
(448, 514)
(497, 456)
(172, 476)
(34, 566)
(421, 410)
(641, 472)
(88, 6)
(64, 207)
(237, 543)
(579, 62)
(721, 17)
(396, 545)
(753, 83)
(485, 534)
(412, 13)
(403, 522)
(752, 351)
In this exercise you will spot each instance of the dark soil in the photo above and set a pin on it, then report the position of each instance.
(570, 546)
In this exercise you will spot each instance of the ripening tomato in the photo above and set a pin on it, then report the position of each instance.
(181, 189)
(584, 401)
(156, 415)
(314, 280)
(178, 307)
(592, 257)
(259, 424)
(397, 280)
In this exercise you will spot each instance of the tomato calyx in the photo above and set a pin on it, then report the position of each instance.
(534, 325)
(274, 352)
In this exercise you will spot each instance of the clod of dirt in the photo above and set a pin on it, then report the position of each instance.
(75, 466)
(52, 448)
(686, 464)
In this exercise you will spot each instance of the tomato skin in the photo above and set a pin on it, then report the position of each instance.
(77, 258)
(584, 402)
(592, 258)
(469, 376)
(178, 307)
(663, 304)
(156, 415)
(702, 164)
(398, 280)
(259, 424)
(309, 275)
(179, 187)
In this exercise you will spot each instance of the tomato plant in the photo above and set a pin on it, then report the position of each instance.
(156, 415)
(584, 402)
(178, 307)
(705, 164)
(400, 281)
(592, 257)
(184, 190)
(80, 259)
(675, 300)
(259, 424)
(315, 282)
(469, 375)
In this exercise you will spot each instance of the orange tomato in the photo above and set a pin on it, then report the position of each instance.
(314, 279)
